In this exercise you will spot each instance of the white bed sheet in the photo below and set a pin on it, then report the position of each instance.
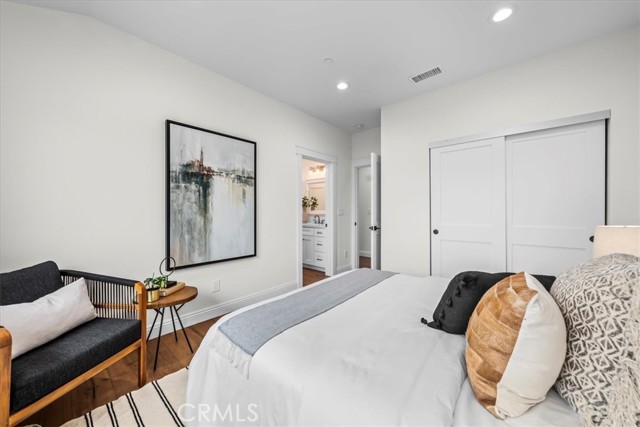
(368, 361)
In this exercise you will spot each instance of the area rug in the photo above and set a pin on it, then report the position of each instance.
(156, 404)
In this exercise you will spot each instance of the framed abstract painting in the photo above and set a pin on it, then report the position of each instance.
(211, 196)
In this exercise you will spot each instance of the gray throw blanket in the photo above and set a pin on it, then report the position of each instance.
(250, 330)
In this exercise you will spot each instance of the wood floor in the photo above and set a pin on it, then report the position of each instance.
(365, 262)
(310, 276)
(122, 377)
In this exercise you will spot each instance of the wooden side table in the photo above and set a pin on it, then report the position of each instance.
(181, 297)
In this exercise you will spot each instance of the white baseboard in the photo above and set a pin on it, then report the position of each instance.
(198, 316)
(314, 267)
(365, 253)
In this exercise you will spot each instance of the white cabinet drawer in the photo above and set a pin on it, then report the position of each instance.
(307, 231)
(319, 259)
(319, 244)
(319, 232)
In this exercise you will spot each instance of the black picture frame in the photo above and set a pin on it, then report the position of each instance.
(211, 196)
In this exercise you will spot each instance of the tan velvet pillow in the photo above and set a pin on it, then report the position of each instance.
(515, 346)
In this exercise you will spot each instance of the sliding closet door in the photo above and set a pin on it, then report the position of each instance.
(555, 196)
(468, 207)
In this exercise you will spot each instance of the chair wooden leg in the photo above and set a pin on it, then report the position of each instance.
(141, 291)
(142, 364)
(5, 375)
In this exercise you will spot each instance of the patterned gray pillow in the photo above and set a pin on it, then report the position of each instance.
(595, 300)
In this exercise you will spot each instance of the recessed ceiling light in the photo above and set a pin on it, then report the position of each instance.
(501, 14)
(359, 126)
(328, 61)
(342, 85)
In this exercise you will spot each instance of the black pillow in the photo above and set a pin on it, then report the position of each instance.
(463, 294)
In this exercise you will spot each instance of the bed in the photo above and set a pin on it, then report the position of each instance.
(368, 361)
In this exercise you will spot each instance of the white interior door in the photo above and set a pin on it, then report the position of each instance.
(468, 207)
(555, 196)
(375, 212)
(360, 209)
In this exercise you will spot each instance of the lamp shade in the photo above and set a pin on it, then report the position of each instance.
(621, 239)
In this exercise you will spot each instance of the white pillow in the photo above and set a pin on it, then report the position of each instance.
(35, 323)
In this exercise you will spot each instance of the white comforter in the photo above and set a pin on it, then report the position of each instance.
(367, 362)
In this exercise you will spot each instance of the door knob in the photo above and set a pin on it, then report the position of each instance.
(591, 239)
(374, 228)
(435, 231)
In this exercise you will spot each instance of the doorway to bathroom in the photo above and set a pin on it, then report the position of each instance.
(315, 219)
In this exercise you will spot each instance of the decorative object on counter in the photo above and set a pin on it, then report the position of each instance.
(153, 288)
(155, 284)
(203, 228)
(172, 290)
(313, 202)
(310, 202)
(168, 271)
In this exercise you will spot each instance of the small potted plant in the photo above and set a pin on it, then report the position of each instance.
(313, 202)
(153, 285)
(305, 203)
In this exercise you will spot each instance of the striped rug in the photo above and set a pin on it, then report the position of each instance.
(156, 404)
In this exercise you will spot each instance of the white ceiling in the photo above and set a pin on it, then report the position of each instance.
(278, 47)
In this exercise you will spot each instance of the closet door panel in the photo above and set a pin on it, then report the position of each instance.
(544, 260)
(555, 196)
(467, 207)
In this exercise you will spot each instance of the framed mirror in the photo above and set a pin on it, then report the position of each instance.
(316, 188)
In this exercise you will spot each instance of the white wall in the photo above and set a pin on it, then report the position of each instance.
(364, 143)
(597, 75)
(82, 148)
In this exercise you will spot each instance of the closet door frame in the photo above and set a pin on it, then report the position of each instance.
(567, 121)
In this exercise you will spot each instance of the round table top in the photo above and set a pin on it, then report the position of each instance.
(184, 295)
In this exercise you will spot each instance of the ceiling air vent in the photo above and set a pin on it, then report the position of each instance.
(423, 76)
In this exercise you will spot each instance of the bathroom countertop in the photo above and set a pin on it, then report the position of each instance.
(312, 225)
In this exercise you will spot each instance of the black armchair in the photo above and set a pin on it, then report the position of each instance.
(36, 378)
